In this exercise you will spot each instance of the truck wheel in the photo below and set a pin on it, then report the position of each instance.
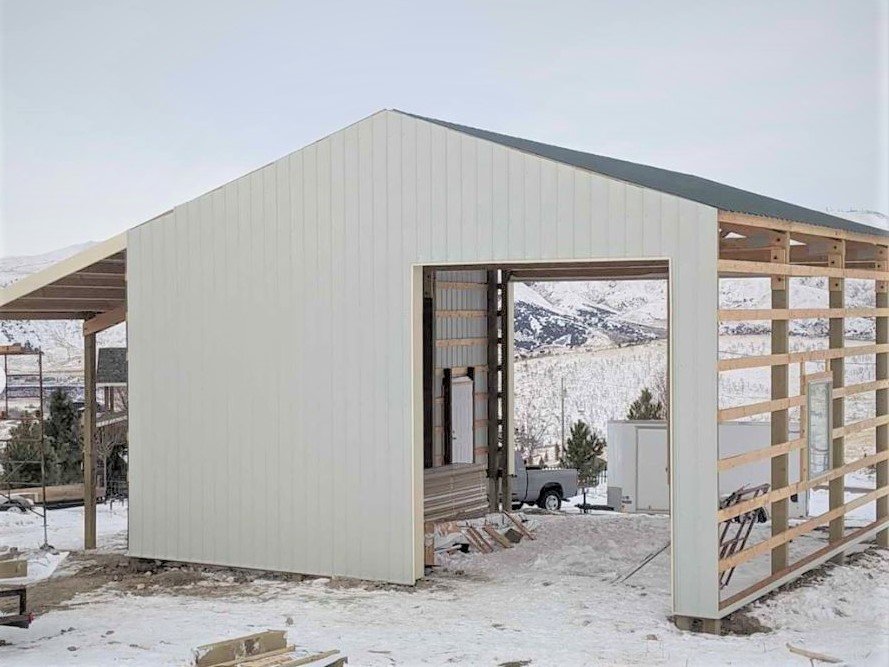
(550, 500)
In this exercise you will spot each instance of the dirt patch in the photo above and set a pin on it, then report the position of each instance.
(86, 573)
(743, 624)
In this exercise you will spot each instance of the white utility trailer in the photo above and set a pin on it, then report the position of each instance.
(638, 464)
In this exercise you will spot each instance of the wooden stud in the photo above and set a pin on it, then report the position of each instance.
(780, 342)
(89, 434)
(881, 400)
(506, 315)
(493, 390)
(838, 369)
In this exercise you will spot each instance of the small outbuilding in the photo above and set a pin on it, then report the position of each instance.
(298, 338)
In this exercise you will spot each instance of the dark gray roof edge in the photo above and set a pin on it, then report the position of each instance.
(111, 365)
(686, 186)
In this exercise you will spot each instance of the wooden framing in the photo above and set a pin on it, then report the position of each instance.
(752, 246)
(105, 320)
(493, 352)
(741, 315)
(780, 253)
(800, 357)
(837, 290)
(881, 405)
(89, 433)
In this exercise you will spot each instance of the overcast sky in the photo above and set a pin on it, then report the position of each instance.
(115, 111)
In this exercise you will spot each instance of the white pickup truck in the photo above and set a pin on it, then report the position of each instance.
(545, 487)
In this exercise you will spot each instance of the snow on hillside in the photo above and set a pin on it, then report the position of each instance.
(550, 316)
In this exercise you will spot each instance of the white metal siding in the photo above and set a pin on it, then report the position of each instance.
(271, 344)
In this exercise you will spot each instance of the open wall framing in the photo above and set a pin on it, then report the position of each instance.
(778, 250)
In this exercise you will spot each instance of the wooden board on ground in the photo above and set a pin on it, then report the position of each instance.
(263, 649)
(521, 526)
(497, 537)
(483, 545)
(231, 650)
(812, 656)
(475, 538)
(13, 568)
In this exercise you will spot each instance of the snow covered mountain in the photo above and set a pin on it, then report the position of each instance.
(558, 315)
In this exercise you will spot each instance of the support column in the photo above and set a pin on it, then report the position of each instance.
(493, 332)
(882, 396)
(836, 487)
(506, 363)
(89, 433)
(780, 253)
(428, 366)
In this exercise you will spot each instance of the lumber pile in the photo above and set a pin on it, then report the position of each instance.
(450, 492)
(12, 564)
(263, 649)
(493, 532)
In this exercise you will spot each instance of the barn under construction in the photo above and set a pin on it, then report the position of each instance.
(359, 288)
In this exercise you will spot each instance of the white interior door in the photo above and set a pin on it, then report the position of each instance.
(652, 483)
(461, 420)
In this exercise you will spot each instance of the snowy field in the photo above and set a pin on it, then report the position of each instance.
(548, 602)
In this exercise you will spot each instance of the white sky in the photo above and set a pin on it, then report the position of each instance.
(115, 111)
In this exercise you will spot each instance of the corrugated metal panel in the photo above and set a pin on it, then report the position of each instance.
(271, 343)
(693, 188)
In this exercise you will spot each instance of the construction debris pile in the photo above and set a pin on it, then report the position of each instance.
(486, 534)
(264, 649)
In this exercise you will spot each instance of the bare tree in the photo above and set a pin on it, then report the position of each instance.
(108, 438)
(662, 390)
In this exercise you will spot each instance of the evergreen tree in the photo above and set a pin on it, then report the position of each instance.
(583, 450)
(645, 407)
(63, 437)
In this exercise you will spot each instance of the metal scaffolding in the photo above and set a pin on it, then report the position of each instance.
(22, 433)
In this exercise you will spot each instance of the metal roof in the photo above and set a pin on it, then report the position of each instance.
(111, 367)
(695, 188)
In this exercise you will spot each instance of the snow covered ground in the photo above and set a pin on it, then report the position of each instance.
(550, 602)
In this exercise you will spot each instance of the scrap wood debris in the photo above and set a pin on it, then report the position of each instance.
(500, 530)
(263, 649)
(812, 656)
